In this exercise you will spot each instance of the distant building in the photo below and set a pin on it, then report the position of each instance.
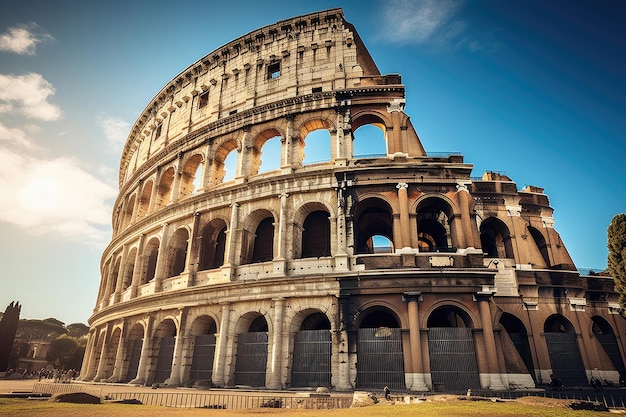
(366, 269)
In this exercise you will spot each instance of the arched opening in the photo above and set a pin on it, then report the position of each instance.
(317, 147)
(213, 245)
(312, 350)
(270, 154)
(144, 200)
(191, 175)
(178, 252)
(495, 239)
(230, 166)
(203, 331)
(225, 161)
(263, 249)
(135, 344)
(164, 342)
(164, 192)
(452, 352)
(129, 269)
(128, 212)
(605, 336)
(540, 241)
(316, 235)
(251, 358)
(373, 217)
(369, 141)
(152, 252)
(518, 360)
(433, 226)
(380, 358)
(565, 360)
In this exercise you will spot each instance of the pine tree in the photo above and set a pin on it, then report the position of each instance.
(617, 255)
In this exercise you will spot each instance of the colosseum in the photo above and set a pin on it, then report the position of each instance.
(279, 225)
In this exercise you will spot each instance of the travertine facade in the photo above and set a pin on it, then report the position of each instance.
(234, 275)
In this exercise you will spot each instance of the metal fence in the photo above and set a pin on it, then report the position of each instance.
(233, 401)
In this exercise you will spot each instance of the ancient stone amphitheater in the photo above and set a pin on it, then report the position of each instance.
(280, 225)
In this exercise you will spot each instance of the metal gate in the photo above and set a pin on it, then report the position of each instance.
(565, 359)
(520, 341)
(380, 360)
(164, 359)
(203, 355)
(311, 359)
(609, 344)
(453, 365)
(251, 361)
(133, 362)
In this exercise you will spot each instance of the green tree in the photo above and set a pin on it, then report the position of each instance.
(617, 255)
(65, 352)
(77, 330)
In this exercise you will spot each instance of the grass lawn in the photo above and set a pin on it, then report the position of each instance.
(525, 407)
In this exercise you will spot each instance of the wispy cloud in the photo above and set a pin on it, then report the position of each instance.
(115, 130)
(22, 39)
(28, 95)
(420, 21)
(51, 195)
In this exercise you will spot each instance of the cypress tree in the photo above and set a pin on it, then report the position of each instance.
(617, 255)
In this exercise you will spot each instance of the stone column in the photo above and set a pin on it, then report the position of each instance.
(219, 377)
(403, 202)
(88, 359)
(103, 355)
(177, 179)
(232, 234)
(490, 342)
(279, 260)
(159, 274)
(418, 383)
(275, 363)
(177, 361)
(464, 202)
(139, 265)
(287, 153)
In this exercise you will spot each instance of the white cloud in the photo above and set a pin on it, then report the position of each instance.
(51, 196)
(28, 94)
(419, 21)
(115, 130)
(22, 39)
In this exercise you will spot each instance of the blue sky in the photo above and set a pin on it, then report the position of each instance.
(534, 89)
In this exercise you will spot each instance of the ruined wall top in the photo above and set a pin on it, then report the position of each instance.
(314, 53)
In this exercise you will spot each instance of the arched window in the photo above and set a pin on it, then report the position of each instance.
(213, 245)
(128, 212)
(164, 192)
(224, 167)
(540, 241)
(433, 226)
(144, 200)
(317, 147)
(152, 252)
(264, 241)
(191, 176)
(316, 235)
(373, 218)
(270, 154)
(178, 252)
(495, 239)
(369, 141)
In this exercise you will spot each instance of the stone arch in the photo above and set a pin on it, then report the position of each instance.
(311, 226)
(129, 268)
(371, 118)
(514, 335)
(192, 169)
(540, 241)
(178, 246)
(144, 199)
(212, 244)
(311, 350)
(495, 239)
(218, 171)
(605, 337)
(565, 359)
(251, 350)
(451, 348)
(165, 187)
(373, 216)
(151, 255)
(129, 211)
(307, 127)
(258, 237)
(133, 351)
(435, 224)
(203, 343)
(380, 353)
(164, 340)
(260, 140)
